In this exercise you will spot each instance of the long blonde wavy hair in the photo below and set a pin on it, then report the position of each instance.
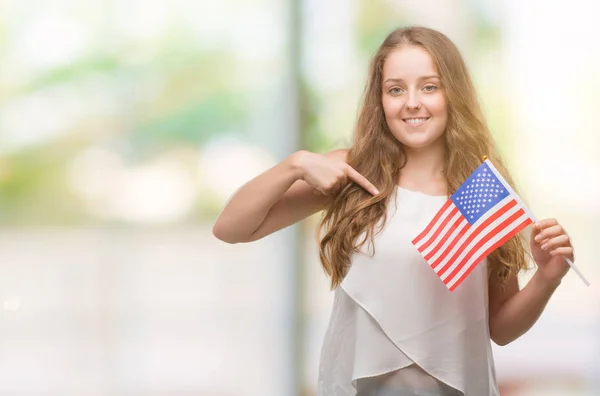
(379, 156)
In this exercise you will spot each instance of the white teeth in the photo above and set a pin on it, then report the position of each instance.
(415, 121)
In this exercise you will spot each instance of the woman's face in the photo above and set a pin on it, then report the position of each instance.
(413, 97)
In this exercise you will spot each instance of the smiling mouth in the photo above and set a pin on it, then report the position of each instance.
(415, 121)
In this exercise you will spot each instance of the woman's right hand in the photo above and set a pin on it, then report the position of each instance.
(285, 194)
(328, 175)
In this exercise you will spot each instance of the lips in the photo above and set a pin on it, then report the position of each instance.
(415, 121)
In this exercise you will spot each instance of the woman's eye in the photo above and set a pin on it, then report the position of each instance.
(395, 90)
(429, 88)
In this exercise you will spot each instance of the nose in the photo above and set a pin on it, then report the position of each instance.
(412, 102)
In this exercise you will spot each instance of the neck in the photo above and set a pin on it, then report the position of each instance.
(426, 163)
(424, 170)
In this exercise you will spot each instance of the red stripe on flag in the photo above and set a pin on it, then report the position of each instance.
(476, 232)
(430, 226)
(489, 235)
(460, 234)
(439, 230)
(524, 224)
(453, 227)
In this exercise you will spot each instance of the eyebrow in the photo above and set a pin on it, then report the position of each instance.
(398, 80)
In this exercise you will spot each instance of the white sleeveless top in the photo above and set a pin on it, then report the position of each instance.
(395, 329)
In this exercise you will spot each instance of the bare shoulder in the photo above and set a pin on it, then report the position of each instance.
(340, 154)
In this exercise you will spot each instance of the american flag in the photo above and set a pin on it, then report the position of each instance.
(480, 216)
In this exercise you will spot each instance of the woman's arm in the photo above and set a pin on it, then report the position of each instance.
(512, 311)
(296, 188)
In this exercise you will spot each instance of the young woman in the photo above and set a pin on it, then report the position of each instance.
(395, 328)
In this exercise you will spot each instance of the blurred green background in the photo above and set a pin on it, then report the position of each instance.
(125, 127)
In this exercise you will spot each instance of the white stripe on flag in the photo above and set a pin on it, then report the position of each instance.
(437, 224)
(472, 261)
(444, 231)
(480, 234)
(509, 188)
(459, 228)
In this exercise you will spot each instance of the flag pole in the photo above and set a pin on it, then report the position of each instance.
(568, 260)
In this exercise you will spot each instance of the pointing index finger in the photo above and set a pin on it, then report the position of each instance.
(362, 181)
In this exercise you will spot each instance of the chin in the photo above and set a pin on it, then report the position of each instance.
(416, 143)
(419, 140)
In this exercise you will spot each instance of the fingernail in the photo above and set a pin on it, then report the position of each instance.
(544, 247)
(376, 191)
(538, 237)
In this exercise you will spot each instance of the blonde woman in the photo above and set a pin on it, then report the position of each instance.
(395, 329)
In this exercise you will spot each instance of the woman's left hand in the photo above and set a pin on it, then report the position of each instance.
(550, 244)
